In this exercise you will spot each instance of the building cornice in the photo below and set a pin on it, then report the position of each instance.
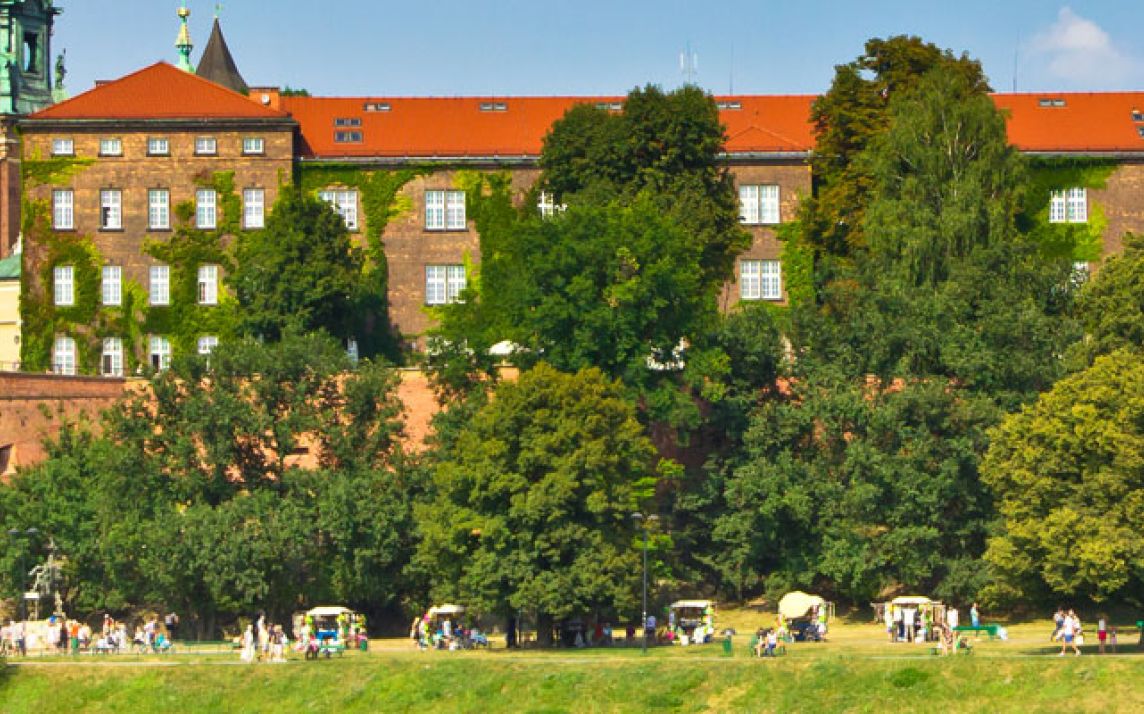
(121, 125)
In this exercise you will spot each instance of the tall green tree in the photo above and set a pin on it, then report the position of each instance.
(852, 113)
(532, 512)
(1068, 474)
(301, 272)
(1112, 303)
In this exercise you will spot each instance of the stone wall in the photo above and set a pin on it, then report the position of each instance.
(1122, 199)
(34, 407)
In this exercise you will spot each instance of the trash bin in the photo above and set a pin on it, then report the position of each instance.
(728, 648)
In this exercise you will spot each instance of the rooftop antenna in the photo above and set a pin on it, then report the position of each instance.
(1016, 53)
(689, 64)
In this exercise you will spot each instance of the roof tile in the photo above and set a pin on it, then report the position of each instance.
(160, 91)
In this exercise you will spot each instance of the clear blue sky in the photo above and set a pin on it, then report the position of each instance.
(449, 47)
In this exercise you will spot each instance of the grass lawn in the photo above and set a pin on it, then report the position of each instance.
(856, 671)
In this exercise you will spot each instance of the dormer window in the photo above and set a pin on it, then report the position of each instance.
(610, 106)
(347, 121)
(376, 106)
(1137, 115)
(494, 107)
(347, 137)
(1051, 102)
(725, 106)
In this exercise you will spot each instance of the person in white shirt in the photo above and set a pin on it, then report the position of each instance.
(1069, 633)
(951, 618)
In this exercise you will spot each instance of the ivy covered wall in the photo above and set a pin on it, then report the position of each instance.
(1079, 241)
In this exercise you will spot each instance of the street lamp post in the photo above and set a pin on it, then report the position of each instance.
(643, 523)
(29, 534)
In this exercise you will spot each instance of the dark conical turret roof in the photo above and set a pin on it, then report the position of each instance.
(217, 64)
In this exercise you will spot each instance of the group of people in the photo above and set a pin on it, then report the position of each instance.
(1068, 630)
(61, 635)
(444, 634)
(263, 642)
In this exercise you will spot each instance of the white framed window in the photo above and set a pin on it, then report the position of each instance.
(208, 285)
(159, 349)
(111, 285)
(206, 209)
(159, 209)
(158, 146)
(445, 210)
(111, 362)
(206, 146)
(1068, 206)
(160, 291)
(352, 350)
(253, 145)
(760, 280)
(759, 205)
(63, 147)
(547, 205)
(253, 208)
(111, 146)
(63, 285)
(207, 344)
(63, 209)
(345, 203)
(443, 283)
(111, 209)
(63, 355)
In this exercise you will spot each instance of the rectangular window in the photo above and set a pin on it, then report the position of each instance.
(206, 146)
(63, 285)
(443, 283)
(208, 285)
(63, 209)
(111, 285)
(253, 145)
(760, 280)
(345, 203)
(63, 355)
(253, 208)
(111, 364)
(111, 147)
(207, 344)
(1068, 206)
(63, 147)
(111, 209)
(158, 146)
(159, 209)
(160, 285)
(206, 213)
(759, 205)
(160, 351)
(445, 210)
(347, 137)
(347, 121)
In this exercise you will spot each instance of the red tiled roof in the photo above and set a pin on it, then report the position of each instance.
(441, 127)
(1086, 122)
(456, 127)
(160, 91)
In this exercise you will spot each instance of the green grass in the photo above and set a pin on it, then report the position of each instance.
(857, 671)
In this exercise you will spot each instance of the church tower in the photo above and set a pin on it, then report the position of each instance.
(25, 87)
(26, 55)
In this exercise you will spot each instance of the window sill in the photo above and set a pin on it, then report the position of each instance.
(447, 230)
(63, 230)
(158, 156)
(213, 154)
(151, 229)
(111, 230)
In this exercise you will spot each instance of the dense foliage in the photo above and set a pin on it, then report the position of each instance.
(192, 499)
(532, 510)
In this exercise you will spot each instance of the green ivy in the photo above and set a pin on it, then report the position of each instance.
(183, 321)
(56, 171)
(1078, 241)
(89, 322)
(797, 265)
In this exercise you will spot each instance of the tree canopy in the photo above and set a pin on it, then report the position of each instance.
(532, 509)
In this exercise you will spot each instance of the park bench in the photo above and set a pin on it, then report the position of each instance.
(991, 630)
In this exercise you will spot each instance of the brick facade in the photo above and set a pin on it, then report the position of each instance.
(1122, 199)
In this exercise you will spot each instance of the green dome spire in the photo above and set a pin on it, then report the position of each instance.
(183, 43)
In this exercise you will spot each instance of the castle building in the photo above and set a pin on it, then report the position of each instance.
(111, 176)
